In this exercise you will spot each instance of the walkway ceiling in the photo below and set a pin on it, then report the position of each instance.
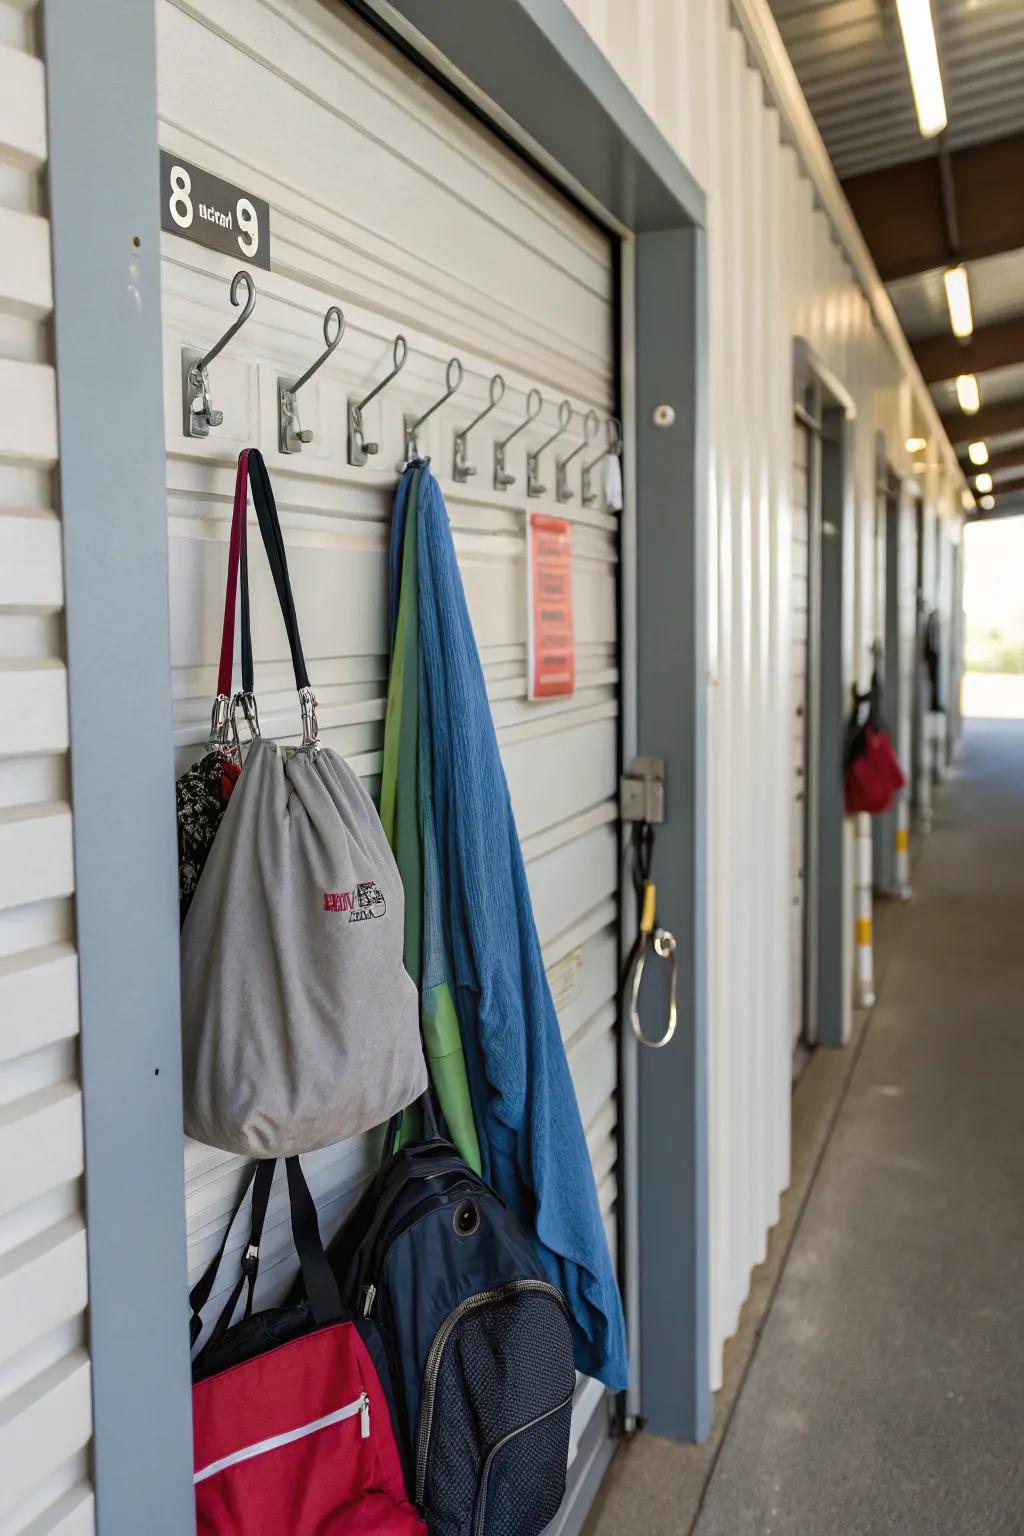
(926, 204)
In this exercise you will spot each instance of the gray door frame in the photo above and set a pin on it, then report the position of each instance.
(920, 803)
(826, 408)
(890, 492)
(534, 74)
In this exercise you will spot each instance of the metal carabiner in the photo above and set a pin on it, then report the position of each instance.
(664, 945)
(659, 939)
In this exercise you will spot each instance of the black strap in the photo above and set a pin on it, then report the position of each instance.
(250, 1264)
(260, 1177)
(321, 1286)
(318, 1278)
(273, 543)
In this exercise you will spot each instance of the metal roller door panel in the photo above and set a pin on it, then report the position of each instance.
(389, 199)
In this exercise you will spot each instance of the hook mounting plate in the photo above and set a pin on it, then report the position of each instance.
(198, 415)
(291, 435)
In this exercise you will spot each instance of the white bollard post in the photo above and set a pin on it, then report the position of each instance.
(902, 865)
(864, 989)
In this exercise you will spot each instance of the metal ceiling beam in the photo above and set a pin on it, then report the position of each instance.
(990, 421)
(994, 346)
(901, 208)
(1007, 458)
(768, 54)
(1012, 483)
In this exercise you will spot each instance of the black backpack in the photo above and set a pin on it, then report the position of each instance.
(478, 1341)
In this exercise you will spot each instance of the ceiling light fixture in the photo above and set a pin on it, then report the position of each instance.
(978, 453)
(987, 503)
(916, 444)
(983, 482)
(958, 302)
(967, 394)
(918, 28)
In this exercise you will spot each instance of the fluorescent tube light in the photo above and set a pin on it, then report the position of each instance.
(958, 302)
(916, 444)
(978, 453)
(987, 503)
(983, 482)
(967, 394)
(918, 28)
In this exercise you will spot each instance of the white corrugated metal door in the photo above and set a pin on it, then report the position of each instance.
(45, 1408)
(391, 200)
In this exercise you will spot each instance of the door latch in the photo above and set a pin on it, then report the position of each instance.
(642, 791)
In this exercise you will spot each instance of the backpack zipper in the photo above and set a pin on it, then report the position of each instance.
(423, 1208)
(437, 1348)
(481, 1507)
(361, 1405)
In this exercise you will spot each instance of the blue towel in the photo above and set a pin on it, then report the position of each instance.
(479, 923)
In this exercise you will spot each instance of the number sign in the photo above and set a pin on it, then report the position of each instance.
(213, 212)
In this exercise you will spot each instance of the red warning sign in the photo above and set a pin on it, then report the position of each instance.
(551, 670)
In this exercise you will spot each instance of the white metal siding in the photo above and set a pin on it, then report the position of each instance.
(45, 1410)
(393, 202)
(775, 273)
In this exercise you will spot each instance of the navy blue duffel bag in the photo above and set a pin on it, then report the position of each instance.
(478, 1340)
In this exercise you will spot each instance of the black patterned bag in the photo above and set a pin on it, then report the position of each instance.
(203, 791)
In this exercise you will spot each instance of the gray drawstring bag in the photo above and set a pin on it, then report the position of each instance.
(300, 1024)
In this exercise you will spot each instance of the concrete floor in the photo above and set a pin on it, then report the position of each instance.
(885, 1393)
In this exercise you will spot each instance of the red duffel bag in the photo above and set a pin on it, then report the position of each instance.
(872, 774)
(295, 1439)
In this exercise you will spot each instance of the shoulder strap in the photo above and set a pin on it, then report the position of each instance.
(236, 552)
(260, 1177)
(317, 1275)
(318, 1279)
(273, 543)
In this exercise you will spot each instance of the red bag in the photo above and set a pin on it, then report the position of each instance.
(873, 776)
(299, 1441)
(296, 1438)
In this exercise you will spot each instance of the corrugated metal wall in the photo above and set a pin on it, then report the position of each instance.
(45, 1412)
(775, 273)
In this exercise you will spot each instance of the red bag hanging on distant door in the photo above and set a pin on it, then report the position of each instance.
(872, 774)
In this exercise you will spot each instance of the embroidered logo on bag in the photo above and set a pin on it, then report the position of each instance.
(366, 901)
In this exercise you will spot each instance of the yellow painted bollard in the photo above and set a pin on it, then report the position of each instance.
(864, 974)
(903, 848)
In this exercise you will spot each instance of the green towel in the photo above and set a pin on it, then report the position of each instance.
(400, 814)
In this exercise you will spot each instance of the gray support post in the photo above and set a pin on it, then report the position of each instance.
(671, 349)
(101, 85)
(832, 703)
(892, 685)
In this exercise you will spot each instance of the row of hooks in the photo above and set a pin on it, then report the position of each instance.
(200, 416)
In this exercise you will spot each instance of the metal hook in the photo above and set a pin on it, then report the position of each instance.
(453, 376)
(534, 406)
(290, 435)
(197, 405)
(358, 447)
(591, 427)
(533, 482)
(463, 469)
(664, 946)
(613, 429)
